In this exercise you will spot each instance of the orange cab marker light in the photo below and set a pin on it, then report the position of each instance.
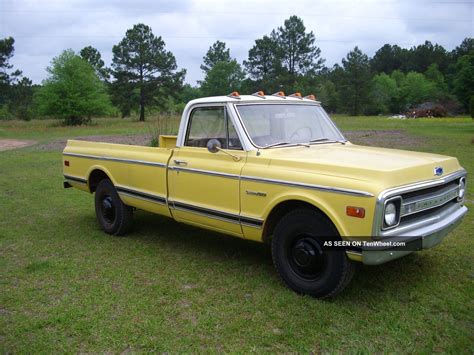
(358, 212)
(279, 93)
(66, 163)
(310, 97)
(259, 94)
(234, 95)
(296, 94)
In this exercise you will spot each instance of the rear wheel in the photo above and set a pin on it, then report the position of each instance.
(113, 215)
(300, 257)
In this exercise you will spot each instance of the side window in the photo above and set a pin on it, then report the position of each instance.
(211, 123)
(206, 123)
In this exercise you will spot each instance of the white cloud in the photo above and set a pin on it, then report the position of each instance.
(42, 29)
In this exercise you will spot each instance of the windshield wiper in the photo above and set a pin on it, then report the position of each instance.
(285, 143)
(325, 139)
(276, 144)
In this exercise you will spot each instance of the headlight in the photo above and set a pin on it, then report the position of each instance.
(462, 188)
(391, 213)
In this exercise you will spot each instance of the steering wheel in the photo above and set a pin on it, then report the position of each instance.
(302, 134)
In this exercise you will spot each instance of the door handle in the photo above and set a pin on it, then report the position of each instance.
(180, 162)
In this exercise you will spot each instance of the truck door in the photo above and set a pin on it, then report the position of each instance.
(204, 186)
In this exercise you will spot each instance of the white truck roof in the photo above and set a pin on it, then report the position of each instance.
(250, 98)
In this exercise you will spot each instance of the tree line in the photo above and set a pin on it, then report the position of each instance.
(144, 77)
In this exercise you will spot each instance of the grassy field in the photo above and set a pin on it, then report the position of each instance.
(67, 287)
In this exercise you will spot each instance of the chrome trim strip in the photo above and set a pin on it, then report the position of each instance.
(274, 181)
(121, 160)
(204, 172)
(422, 185)
(246, 224)
(251, 222)
(141, 195)
(231, 216)
(308, 186)
(206, 215)
(76, 179)
(223, 216)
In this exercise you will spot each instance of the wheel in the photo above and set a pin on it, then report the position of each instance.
(301, 260)
(113, 215)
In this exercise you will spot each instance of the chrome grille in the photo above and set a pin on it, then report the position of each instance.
(428, 201)
(419, 202)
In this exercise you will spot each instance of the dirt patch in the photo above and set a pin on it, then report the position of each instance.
(143, 140)
(8, 144)
(387, 139)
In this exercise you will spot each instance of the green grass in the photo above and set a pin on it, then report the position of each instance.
(45, 130)
(67, 287)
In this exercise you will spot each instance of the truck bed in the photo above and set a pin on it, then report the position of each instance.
(139, 173)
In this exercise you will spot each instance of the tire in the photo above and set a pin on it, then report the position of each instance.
(301, 261)
(113, 215)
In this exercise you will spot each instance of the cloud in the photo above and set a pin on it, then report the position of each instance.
(42, 29)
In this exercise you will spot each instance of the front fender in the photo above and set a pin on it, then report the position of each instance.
(333, 205)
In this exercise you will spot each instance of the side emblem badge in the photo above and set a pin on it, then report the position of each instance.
(438, 171)
(256, 193)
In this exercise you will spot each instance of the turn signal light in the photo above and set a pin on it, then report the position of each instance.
(310, 97)
(258, 93)
(234, 94)
(279, 93)
(358, 212)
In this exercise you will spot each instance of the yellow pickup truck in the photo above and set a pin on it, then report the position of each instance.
(275, 169)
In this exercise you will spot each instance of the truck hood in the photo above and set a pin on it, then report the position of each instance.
(381, 166)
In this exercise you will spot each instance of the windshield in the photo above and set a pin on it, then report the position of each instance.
(281, 124)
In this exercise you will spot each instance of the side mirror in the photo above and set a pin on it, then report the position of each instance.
(213, 145)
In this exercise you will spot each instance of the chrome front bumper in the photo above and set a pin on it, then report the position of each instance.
(431, 231)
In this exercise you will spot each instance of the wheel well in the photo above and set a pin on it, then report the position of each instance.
(282, 209)
(95, 177)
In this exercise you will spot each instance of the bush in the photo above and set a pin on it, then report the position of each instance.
(73, 91)
(162, 125)
(451, 105)
(4, 114)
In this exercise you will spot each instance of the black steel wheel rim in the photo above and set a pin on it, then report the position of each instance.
(306, 257)
(108, 209)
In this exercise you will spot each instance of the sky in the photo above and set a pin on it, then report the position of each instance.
(43, 29)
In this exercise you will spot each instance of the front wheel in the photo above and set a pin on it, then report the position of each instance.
(300, 257)
(113, 215)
